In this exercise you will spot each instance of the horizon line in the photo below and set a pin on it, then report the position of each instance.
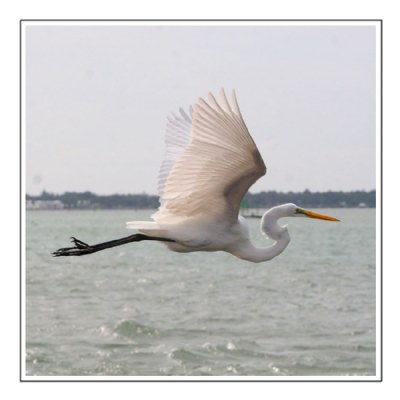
(157, 195)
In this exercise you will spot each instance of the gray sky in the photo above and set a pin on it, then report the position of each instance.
(97, 98)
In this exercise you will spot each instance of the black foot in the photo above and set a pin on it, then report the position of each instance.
(80, 249)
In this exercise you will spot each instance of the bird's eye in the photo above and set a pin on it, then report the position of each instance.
(299, 212)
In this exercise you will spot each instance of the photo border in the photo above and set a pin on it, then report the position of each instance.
(379, 176)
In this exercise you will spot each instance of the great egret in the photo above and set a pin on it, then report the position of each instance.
(210, 163)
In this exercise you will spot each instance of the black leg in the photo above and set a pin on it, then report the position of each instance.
(82, 248)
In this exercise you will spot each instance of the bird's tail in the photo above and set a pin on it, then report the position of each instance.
(146, 227)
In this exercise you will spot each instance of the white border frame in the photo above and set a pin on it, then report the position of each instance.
(378, 24)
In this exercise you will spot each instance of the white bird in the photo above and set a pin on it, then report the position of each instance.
(210, 163)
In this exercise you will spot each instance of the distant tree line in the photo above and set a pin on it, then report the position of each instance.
(330, 199)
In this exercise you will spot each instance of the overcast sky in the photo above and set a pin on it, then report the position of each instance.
(97, 98)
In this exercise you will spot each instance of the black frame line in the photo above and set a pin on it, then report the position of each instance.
(250, 21)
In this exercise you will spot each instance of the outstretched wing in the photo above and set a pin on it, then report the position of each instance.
(211, 161)
(177, 139)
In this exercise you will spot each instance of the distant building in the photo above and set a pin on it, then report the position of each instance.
(44, 205)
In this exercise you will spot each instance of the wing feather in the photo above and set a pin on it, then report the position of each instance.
(211, 161)
(176, 140)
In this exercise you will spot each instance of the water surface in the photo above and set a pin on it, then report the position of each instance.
(140, 310)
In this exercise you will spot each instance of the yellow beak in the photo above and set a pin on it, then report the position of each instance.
(312, 214)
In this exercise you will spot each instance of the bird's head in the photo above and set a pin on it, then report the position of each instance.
(274, 231)
(295, 211)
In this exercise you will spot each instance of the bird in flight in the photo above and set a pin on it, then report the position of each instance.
(210, 163)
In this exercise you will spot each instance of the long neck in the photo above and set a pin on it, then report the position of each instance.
(270, 228)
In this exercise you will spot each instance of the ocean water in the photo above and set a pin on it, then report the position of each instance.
(139, 310)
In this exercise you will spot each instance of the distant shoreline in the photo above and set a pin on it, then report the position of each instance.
(261, 200)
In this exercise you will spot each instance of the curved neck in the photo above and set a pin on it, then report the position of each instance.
(252, 253)
(270, 228)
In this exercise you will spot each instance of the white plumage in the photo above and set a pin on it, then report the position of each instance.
(210, 163)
